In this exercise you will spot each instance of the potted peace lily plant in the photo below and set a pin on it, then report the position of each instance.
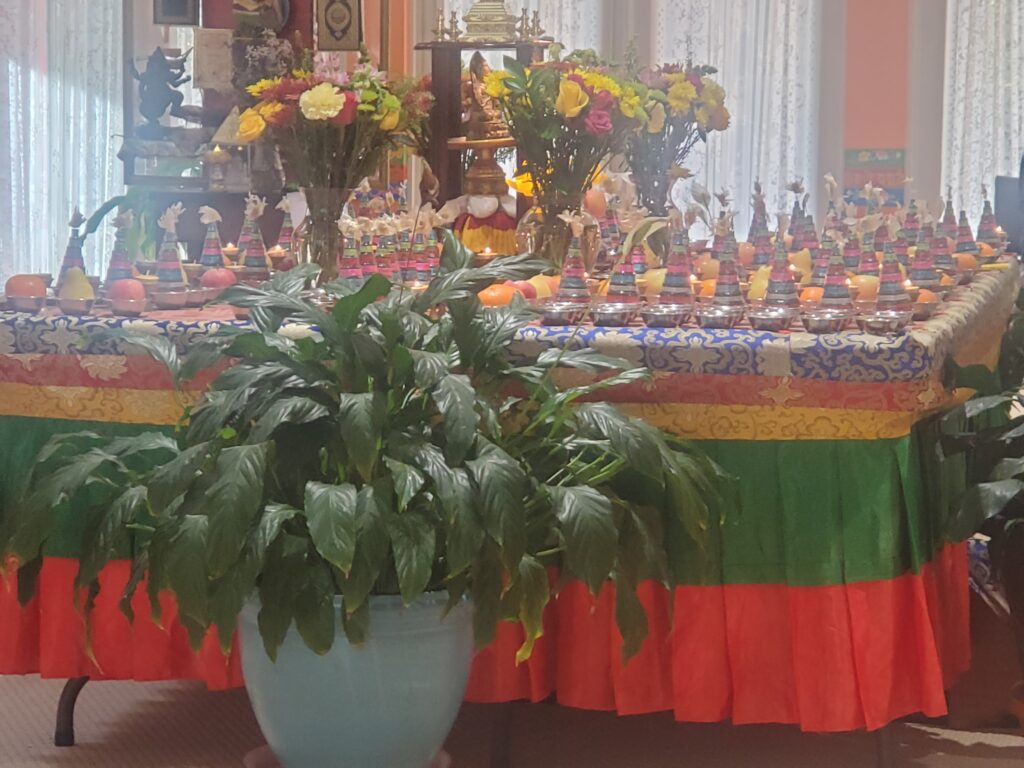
(356, 478)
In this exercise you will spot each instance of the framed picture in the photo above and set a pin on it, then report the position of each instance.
(176, 13)
(339, 25)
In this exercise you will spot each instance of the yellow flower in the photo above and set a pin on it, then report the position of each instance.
(681, 96)
(713, 94)
(522, 184)
(494, 83)
(656, 123)
(572, 99)
(629, 102)
(601, 82)
(390, 120)
(250, 126)
(257, 88)
(301, 74)
(703, 117)
(269, 109)
(321, 102)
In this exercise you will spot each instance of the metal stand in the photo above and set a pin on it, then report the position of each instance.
(64, 734)
(885, 745)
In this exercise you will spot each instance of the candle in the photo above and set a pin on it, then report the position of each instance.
(230, 251)
(276, 253)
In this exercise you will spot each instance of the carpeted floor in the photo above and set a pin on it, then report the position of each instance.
(129, 725)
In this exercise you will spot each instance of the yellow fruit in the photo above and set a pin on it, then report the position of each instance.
(707, 267)
(76, 286)
(543, 286)
(655, 279)
(802, 261)
(759, 283)
(867, 287)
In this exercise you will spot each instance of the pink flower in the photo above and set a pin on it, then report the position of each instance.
(694, 78)
(347, 114)
(598, 122)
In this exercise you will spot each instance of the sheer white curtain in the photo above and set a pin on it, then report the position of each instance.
(768, 55)
(983, 128)
(60, 113)
(574, 23)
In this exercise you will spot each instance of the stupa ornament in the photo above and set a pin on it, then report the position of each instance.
(489, 21)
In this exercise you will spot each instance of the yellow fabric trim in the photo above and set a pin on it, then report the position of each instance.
(749, 422)
(124, 406)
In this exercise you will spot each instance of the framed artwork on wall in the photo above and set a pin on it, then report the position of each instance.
(339, 25)
(177, 13)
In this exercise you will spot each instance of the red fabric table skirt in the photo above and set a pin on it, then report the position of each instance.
(846, 657)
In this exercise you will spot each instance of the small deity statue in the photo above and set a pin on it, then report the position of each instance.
(486, 120)
(157, 91)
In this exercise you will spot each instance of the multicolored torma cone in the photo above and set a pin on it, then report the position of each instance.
(677, 289)
(781, 286)
(168, 262)
(573, 285)
(965, 242)
(868, 260)
(941, 253)
(987, 227)
(837, 290)
(622, 287)
(923, 273)
(213, 249)
(727, 289)
(73, 251)
(120, 265)
(892, 293)
(852, 253)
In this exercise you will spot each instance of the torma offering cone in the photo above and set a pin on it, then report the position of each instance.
(120, 264)
(168, 262)
(677, 289)
(212, 256)
(941, 253)
(965, 242)
(868, 260)
(852, 254)
(923, 273)
(73, 252)
(837, 291)
(622, 287)
(573, 285)
(727, 289)
(892, 293)
(781, 286)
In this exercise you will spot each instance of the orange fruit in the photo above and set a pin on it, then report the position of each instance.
(986, 250)
(707, 288)
(812, 294)
(867, 287)
(25, 285)
(745, 253)
(926, 297)
(947, 280)
(497, 295)
(708, 267)
(965, 262)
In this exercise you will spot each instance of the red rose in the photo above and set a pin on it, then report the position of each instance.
(348, 112)
(598, 122)
(579, 80)
(603, 101)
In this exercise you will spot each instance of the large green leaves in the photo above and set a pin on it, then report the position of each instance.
(331, 512)
(587, 524)
(503, 489)
(413, 541)
(456, 400)
(233, 501)
(362, 417)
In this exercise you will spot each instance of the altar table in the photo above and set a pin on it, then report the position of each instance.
(837, 594)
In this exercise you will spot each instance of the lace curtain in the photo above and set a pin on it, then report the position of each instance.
(768, 56)
(983, 127)
(60, 116)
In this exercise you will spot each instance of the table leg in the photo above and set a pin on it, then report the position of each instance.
(885, 745)
(64, 734)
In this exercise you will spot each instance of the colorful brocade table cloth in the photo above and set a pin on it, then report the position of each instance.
(833, 597)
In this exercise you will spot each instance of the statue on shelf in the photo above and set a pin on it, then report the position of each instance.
(486, 120)
(158, 94)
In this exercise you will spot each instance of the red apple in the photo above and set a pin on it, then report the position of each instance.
(285, 264)
(127, 290)
(525, 287)
(217, 278)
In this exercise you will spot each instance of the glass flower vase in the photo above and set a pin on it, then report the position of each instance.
(317, 239)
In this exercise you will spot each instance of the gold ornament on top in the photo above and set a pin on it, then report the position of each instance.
(489, 21)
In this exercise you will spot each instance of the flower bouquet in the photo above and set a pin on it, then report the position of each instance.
(684, 105)
(567, 120)
(333, 129)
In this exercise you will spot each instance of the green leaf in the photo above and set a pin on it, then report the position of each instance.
(109, 535)
(348, 309)
(233, 501)
(465, 531)
(503, 491)
(632, 440)
(413, 542)
(1008, 469)
(287, 410)
(486, 587)
(454, 255)
(982, 502)
(456, 400)
(430, 367)
(186, 567)
(176, 476)
(356, 623)
(278, 588)
(408, 481)
(374, 505)
(361, 417)
(160, 348)
(535, 593)
(28, 579)
(314, 608)
(630, 618)
(371, 354)
(587, 525)
(331, 512)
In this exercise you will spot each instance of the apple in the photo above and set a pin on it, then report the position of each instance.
(596, 202)
(217, 278)
(127, 290)
(286, 264)
(525, 287)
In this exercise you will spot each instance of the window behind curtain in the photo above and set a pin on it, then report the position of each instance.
(983, 129)
(768, 53)
(60, 120)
